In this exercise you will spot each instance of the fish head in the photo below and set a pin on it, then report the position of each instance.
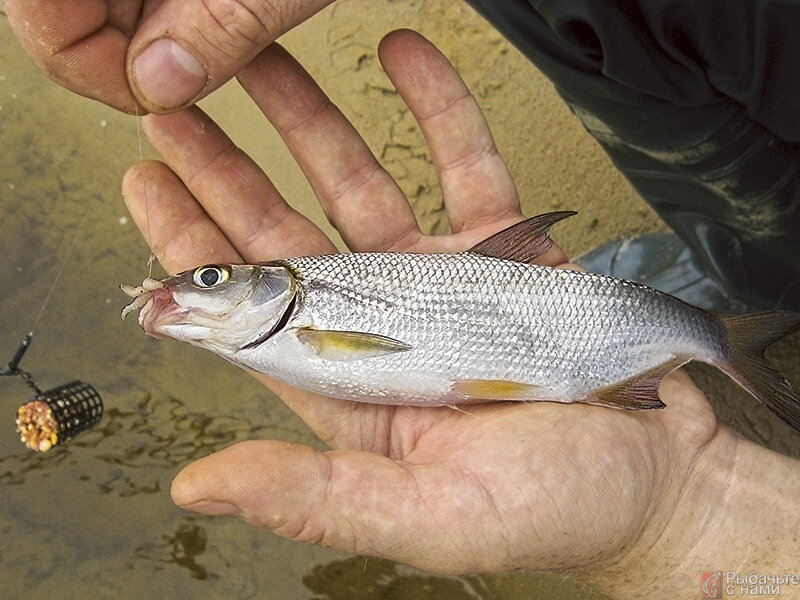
(219, 307)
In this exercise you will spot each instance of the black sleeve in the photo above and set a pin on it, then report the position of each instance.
(675, 51)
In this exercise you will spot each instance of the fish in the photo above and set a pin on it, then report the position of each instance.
(482, 325)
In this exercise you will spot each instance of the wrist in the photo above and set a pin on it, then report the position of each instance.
(732, 508)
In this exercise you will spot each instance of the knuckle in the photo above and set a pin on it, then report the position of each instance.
(239, 23)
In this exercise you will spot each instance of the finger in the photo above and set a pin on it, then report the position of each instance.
(232, 190)
(359, 197)
(476, 184)
(175, 226)
(81, 44)
(354, 502)
(186, 49)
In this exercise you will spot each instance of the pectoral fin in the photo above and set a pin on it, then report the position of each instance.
(637, 393)
(495, 389)
(525, 241)
(348, 345)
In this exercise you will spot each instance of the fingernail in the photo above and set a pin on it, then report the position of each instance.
(167, 75)
(213, 507)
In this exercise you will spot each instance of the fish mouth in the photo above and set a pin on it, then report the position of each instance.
(156, 306)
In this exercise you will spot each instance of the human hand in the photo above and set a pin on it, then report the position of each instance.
(163, 54)
(503, 486)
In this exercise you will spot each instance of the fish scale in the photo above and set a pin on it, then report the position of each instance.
(477, 316)
(476, 326)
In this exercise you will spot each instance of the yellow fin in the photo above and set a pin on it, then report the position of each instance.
(496, 389)
(348, 345)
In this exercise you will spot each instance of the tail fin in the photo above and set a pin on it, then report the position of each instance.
(749, 336)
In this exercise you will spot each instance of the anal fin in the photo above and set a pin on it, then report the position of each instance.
(636, 393)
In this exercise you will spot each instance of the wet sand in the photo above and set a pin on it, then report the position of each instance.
(95, 516)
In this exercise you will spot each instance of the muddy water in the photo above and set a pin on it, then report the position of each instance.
(94, 517)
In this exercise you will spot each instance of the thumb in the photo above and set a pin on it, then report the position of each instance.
(351, 501)
(186, 49)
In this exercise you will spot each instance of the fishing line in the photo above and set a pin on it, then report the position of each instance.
(61, 269)
(144, 192)
(13, 364)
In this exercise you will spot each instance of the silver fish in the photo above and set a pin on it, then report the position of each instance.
(448, 329)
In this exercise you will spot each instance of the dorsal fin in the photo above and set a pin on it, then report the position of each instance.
(525, 241)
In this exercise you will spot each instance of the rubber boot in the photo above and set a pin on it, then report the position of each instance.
(733, 197)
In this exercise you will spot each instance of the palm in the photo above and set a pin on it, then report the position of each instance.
(548, 484)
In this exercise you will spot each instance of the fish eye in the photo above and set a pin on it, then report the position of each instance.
(211, 276)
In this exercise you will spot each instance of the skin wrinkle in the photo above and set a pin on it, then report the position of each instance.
(407, 240)
(197, 173)
(658, 528)
(506, 217)
(121, 16)
(395, 443)
(178, 241)
(303, 528)
(612, 479)
(311, 113)
(413, 482)
(271, 17)
(371, 436)
(232, 26)
(730, 488)
(44, 40)
(69, 47)
(339, 437)
(411, 431)
(495, 505)
(221, 161)
(266, 27)
(486, 151)
(338, 428)
(400, 475)
(523, 503)
(356, 180)
(434, 506)
(226, 159)
(267, 220)
(707, 522)
(537, 527)
(446, 108)
(632, 540)
(483, 154)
